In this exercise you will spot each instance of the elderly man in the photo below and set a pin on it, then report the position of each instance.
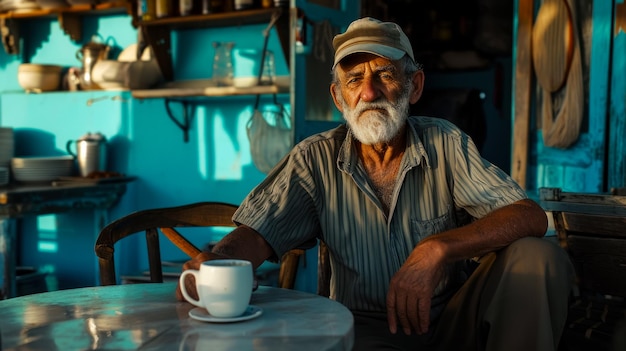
(390, 194)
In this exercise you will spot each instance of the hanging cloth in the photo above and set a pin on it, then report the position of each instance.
(558, 68)
(269, 142)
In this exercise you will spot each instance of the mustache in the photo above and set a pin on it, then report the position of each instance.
(376, 105)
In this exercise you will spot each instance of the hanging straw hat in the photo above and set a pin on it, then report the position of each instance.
(558, 68)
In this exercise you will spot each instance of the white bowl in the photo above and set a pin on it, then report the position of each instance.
(34, 77)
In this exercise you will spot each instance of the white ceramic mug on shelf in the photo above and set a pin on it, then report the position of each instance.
(224, 286)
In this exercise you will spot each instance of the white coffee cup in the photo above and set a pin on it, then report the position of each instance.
(224, 286)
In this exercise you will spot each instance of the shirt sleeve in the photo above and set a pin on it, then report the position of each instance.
(479, 186)
(281, 208)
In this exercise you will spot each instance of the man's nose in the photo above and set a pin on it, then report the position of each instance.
(370, 90)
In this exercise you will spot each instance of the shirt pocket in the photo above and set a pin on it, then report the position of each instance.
(423, 228)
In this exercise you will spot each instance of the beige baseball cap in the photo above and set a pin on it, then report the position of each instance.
(369, 35)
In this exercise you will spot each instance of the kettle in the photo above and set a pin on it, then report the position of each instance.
(89, 54)
(90, 153)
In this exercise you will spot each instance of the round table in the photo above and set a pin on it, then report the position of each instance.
(148, 317)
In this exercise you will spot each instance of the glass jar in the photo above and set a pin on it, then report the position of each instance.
(223, 63)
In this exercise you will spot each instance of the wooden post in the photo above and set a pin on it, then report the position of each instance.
(522, 85)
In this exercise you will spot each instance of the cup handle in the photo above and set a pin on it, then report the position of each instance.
(183, 289)
(68, 147)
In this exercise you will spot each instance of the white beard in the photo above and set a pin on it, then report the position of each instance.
(372, 126)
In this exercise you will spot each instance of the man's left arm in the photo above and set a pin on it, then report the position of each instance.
(492, 232)
(411, 288)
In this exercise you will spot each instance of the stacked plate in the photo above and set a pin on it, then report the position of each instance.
(41, 169)
(6, 146)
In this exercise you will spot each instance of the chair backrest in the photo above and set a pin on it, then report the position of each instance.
(592, 229)
(202, 214)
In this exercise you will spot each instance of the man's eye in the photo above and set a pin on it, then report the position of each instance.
(386, 76)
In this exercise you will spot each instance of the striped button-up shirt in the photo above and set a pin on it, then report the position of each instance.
(321, 190)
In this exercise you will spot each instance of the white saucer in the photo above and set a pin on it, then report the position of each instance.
(201, 314)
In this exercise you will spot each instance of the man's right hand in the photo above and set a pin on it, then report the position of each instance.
(194, 263)
(243, 243)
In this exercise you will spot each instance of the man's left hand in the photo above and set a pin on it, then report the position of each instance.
(411, 289)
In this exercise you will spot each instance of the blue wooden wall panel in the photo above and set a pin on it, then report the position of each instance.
(599, 83)
(583, 166)
(617, 111)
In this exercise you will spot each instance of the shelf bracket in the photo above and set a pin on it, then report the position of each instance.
(185, 124)
(10, 35)
(71, 25)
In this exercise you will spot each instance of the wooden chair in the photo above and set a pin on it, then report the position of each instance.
(592, 229)
(203, 214)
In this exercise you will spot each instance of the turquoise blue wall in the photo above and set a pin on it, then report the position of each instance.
(214, 164)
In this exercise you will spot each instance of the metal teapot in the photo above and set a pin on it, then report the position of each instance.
(89, 54)
(91, 153)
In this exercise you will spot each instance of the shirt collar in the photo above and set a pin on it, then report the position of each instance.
(348, 160)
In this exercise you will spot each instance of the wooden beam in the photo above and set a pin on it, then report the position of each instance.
(522, 88)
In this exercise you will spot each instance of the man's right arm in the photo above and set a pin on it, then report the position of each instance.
(242, 243)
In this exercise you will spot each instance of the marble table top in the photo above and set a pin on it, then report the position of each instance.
(148, 317)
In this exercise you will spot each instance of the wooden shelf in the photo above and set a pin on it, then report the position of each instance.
(206, 88)
(157, 32)
(223, 19)
(70, 20)
(99, 9)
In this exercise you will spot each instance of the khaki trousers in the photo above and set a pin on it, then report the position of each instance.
(516, 299)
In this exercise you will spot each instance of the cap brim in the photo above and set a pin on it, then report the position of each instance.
(370, 48)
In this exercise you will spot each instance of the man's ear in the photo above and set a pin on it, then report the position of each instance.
(334, 89)
(418, 86)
